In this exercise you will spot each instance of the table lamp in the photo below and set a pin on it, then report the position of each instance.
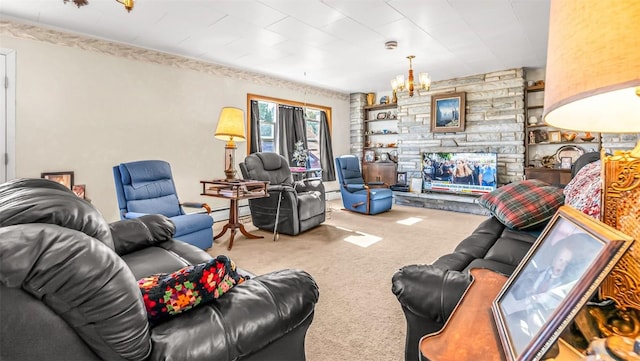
(230, 129)
(593, 84)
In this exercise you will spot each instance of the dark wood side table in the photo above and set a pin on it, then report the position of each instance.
(234, 190)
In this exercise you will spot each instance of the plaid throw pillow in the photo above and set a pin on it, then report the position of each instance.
(523, 205)
(169, 294)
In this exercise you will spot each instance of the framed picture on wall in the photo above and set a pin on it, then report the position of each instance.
(64, 178)
(448, 112)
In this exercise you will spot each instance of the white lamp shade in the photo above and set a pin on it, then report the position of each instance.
(593, 66)
(231, 125)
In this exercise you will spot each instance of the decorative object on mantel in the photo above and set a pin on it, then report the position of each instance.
(399, 84)
(606, 101)
(128, 4)
(447, 112)
(230, 128)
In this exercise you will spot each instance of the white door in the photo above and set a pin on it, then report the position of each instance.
(8, 114)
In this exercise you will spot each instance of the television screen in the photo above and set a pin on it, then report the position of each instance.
(469, 173)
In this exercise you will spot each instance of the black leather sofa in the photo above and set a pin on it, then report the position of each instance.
(428, 293)
(68, 289)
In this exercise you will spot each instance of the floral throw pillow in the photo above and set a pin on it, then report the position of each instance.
(583, 191)
(168, 294)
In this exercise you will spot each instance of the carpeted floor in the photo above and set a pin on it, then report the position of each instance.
(357, 316)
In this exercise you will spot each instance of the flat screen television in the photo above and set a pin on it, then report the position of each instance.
(465, 173)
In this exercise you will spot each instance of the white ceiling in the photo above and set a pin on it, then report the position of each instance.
(333, 44)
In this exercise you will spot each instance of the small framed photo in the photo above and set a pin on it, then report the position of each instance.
(401, 178)
(369, 156)
(79, 190)
(448, 112)
(381, 115)
(554, 136)
(64, 178)
(559, 274)
(566, 162)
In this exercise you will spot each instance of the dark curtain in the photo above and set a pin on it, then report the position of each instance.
(326, 149)
(291, 128)
(254, 137)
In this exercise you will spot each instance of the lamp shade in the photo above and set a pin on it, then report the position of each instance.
(231, 125)
(593, 66)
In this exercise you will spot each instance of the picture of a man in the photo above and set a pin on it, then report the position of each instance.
(544, 284)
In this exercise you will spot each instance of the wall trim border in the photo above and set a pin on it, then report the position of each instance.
(25, 31)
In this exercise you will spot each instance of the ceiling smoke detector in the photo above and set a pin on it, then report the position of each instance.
(391, 44)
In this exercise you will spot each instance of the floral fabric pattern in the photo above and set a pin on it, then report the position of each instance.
(168, 294)
(583, 191)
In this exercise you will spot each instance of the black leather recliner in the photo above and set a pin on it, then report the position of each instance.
(68, 289)
(297, 206)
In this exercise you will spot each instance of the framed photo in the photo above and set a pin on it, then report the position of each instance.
(559, 274)
(381, 115)
(447, 112)
(565, 162)
(79, 190)
(369, 156)
(554, 136)
(64, 178)
(401, 178)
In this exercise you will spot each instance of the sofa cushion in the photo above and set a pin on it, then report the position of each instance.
(583, 191)
(167, 295)
(523, 205)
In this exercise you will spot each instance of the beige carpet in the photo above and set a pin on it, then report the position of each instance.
(357, 316)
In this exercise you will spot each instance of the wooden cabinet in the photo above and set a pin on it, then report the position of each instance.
(553, 176)
(379, 172)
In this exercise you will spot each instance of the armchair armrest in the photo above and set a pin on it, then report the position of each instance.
(133, 234)
(280, 188)
(132, 215)
(354, 187)
(196, 205)
(430, 291)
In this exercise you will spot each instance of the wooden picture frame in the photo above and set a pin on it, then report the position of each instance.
(577, 252)
(448, 112)
(64, 178)
(79, 190)
(369, 156)
(401, 178)
(554, 136)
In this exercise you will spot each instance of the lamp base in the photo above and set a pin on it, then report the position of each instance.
(230, 174)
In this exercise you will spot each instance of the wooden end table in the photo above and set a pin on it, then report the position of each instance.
(234, 190)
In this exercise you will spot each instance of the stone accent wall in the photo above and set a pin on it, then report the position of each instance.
(494, 122)
(356, 123)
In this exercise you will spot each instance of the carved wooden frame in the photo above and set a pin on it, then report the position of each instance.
(621, 210)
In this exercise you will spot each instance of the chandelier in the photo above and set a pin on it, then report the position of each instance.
(424, 81)
(128, 4)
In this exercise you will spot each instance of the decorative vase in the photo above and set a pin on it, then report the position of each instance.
(371, 98)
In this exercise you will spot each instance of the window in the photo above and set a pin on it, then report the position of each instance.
(268, 115)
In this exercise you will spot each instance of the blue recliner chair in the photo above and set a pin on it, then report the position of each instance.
(358, 196)
(146, 187)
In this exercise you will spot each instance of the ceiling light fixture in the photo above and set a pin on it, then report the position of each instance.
(390, 45)
(424, 80)
(128, 4)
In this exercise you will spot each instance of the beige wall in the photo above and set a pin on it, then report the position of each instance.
(85, 111)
